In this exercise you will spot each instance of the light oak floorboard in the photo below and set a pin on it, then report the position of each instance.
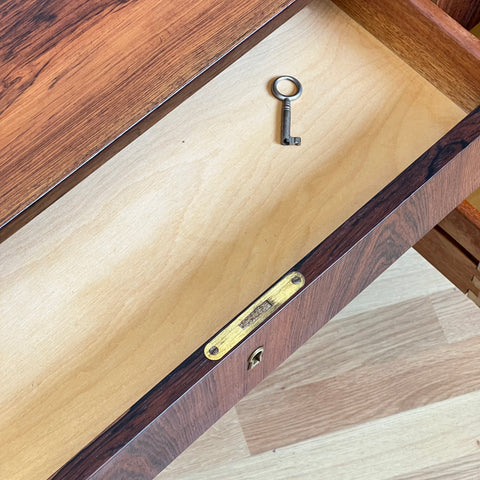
(458, 318)
(394, 446)
(361, 395)
(464, 468)
(404, 280)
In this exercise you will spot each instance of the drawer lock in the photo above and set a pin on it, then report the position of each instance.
(254, 315)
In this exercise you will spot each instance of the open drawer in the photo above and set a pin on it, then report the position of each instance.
(109, 296)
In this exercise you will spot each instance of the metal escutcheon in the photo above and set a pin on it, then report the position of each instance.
(255, 358)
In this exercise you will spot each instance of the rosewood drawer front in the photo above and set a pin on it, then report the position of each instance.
(108, 297)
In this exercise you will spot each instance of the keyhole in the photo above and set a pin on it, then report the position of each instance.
(255, 358)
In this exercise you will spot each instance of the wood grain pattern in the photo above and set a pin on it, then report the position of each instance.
(453, 247)
(463, 225)
(147, 460)
(216, 446)
(373, 327)
(341, 388)
(458, 318)
(404, 286)
(386, 449)
(474, 297)
(427, 39)
(92, 291)
(438, 440)
(146, 438)
(448, 256)
(372, 347)
(79, 74)
(465, 468)
(360, 396)
(467, 13)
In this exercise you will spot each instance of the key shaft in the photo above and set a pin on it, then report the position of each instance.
(287, 139)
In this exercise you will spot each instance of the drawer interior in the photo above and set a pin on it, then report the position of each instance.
(109, 289)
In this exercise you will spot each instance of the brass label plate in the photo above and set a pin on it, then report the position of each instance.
(254, 315)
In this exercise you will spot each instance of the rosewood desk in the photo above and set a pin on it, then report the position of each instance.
(149, 131)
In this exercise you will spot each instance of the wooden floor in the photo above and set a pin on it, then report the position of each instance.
(389, 389)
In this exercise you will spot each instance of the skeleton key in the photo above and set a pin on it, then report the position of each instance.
(287, 108)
